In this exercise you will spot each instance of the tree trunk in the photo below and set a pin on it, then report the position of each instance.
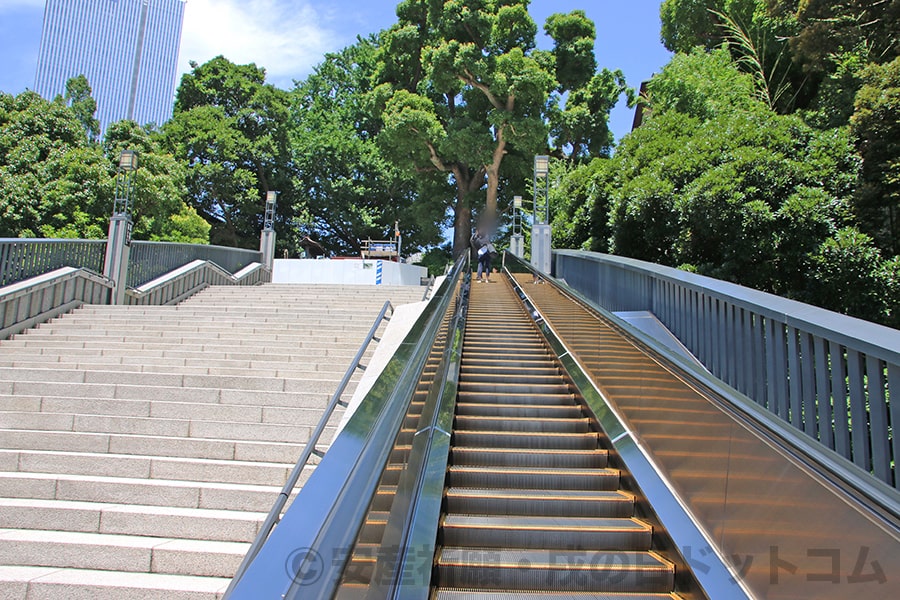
(467, 184)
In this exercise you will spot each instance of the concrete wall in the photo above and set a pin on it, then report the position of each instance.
(350, 271)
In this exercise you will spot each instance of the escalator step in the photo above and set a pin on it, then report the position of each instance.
(534, 441)
(536, 411)
(570, 503)
(543, 399)
(534, 479)
(501, 387)
(524, 457)
(522, 424)
(551, 533)
(450, 594)
(560, 570)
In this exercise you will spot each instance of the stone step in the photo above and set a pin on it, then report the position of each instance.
(192, 331)
(168, 380)
(146, 363)
(283, 359)
(41, 583)
(296, 371)
(297, 398)
(133, 491)
(134, 344)
(154, 521)
(159, 427)
(146, 467)
(17, 409)
(106, 552)
(145, 445)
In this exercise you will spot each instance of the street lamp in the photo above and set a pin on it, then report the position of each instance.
(118, 243)
(517, 241)
(267, 237)
(540, 231)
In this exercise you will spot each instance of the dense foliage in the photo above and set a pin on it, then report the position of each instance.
(768, 155)
(57, 182)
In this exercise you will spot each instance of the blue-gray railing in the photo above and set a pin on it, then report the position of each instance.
(828, 375)
(149, 260)
(21, 259)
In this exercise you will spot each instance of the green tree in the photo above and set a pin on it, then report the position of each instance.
(346, 189)
(159, 207)
(78, 97)
(464, 95)
(876, 125)
(231, 130)
(50, 179)
(717, 182)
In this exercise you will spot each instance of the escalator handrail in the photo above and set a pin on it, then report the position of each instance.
(404, 565)
(311, 448)
(306, 553)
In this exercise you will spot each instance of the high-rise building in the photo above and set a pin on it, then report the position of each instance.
(127, 49)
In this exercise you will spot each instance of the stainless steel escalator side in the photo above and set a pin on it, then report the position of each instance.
(656, 500)
(783, 519)
(308, 550)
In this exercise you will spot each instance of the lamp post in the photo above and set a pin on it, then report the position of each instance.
(267, 237)
(517, 241)
(540, 231)
(118, 243)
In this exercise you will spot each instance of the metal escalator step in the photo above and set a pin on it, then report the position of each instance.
(492, 361)
(507, 387)
(550, 533)
(558, 570)
(475, 371)
(524, 376)
(449, 594)
(522, 424)
(543, 399)
(534, 441)
(536, 411)
(373, 528)
(533, 479)
(568, 503)
(525, 457)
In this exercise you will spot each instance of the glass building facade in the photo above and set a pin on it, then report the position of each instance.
(127, 49)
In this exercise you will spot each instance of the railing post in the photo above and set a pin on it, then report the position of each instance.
(118, 245)
(267, 238)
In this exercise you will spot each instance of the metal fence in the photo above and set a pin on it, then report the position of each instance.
(828, 375)
(21, 259)
(150, 260)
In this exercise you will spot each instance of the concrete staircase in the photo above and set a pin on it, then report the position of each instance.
(141, 447)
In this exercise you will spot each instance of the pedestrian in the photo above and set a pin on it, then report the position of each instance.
(481, 242)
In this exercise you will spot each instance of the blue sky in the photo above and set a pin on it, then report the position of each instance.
(289, 37)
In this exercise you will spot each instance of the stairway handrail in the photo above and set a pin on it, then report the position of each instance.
(306, 552)
(274, 515)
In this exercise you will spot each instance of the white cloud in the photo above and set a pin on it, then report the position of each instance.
(285, 37)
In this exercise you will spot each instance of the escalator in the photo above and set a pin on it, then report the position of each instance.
(533, 505)
(477, 468)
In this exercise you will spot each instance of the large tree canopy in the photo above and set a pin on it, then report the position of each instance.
(346, 190)
(464, 94)
(230, 128)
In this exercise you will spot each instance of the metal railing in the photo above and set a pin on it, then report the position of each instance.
(306, 553)
(274, 515)
(827, 375)
(149, 260)
(22, 259)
